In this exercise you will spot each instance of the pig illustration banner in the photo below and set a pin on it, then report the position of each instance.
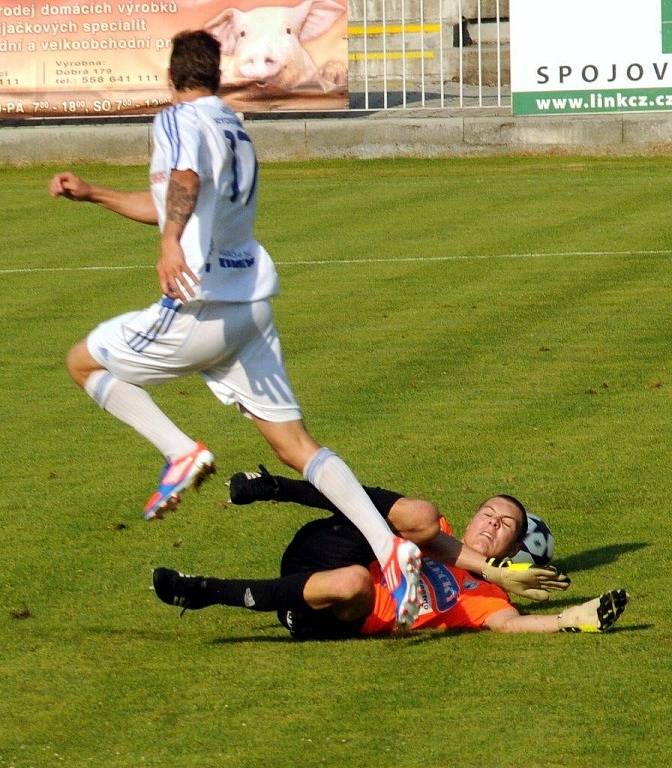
(111, 58)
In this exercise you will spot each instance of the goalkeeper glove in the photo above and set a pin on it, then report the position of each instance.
(596, 615)
(524, 579)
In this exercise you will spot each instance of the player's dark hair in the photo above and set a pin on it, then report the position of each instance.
(522, 529)
(194, 61)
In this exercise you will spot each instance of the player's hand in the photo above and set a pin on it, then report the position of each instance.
(175, 278)
(524, 579)
(69, 185)
(596, 615)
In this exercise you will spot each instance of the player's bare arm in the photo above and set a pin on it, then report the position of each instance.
(597, 615)
(137, 206)
(452, 551)
(175, 277)
(417, 520)
(522, 579)
(509, 620)
(181, 199)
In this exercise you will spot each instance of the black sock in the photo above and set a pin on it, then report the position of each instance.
(302, 492)
(283, 594)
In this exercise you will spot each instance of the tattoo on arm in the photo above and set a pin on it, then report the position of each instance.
(180, 202)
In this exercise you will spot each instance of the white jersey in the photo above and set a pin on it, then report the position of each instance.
(205, 136)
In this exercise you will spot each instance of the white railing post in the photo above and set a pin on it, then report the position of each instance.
(384, 56)
(441, 85)
(422, 52)
(498, 21)
(480, 58)
(403, 53)
(366, 58)
(461, 50)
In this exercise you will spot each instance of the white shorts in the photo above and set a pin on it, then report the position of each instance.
(234, 347)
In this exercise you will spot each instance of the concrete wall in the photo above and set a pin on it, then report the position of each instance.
(118, 144)
(444, 135)
(417, 134)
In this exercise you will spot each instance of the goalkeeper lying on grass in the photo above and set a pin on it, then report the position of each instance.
(332, 587)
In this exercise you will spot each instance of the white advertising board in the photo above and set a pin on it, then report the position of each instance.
(588, 56)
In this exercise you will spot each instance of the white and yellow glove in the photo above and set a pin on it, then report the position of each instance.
(596, 615)
(524, 579)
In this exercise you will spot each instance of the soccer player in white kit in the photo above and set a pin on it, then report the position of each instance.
(215, 316)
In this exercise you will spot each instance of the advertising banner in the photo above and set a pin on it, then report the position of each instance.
(94, 59)
(590, 56)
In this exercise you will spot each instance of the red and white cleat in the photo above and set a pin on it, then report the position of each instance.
(187, 471)
(402, 573)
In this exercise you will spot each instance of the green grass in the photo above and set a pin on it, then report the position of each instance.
(543, 376)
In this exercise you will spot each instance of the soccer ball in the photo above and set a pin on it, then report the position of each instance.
(537, 546)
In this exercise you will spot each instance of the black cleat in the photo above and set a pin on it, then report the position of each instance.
(246, 487)
(175, 588)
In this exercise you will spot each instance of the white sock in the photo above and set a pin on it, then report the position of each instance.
(132, 405)
(332, 477)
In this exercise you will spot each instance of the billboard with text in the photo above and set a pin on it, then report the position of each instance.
(590, 56)
(111, 58)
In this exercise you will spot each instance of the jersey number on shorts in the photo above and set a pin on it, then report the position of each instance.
(244, 166)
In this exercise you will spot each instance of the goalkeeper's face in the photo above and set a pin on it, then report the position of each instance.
(493, 530)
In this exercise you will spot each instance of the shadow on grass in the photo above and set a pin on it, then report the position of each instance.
(250, 639)
(415, 638)
(631, 628)
(592, 558)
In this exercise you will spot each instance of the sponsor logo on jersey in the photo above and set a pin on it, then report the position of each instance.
(441, 585)
(233, 259)
(236, 263)
(424, 597)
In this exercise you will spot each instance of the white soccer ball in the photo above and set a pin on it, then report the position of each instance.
(537, 546)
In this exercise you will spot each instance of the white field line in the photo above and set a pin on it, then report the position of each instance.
(317, 262)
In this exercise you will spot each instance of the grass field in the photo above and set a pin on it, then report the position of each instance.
(453, 328)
